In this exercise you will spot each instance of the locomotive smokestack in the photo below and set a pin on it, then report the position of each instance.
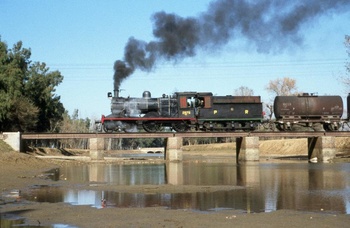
(269, 26)
(116, 92)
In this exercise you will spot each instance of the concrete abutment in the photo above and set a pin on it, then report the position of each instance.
(13, 139)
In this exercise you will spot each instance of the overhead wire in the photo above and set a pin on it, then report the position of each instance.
(183, 70)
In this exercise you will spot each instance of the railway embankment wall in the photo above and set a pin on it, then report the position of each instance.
(13, 139)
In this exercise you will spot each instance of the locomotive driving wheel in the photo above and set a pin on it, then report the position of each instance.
(130, 127)
(180, 126)
(107, 130)
(151, 125)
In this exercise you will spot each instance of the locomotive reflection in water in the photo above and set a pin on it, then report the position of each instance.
(202, 111)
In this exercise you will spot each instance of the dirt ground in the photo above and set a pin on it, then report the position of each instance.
(20, 170)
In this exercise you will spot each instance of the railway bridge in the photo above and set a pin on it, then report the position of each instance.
(321, 145)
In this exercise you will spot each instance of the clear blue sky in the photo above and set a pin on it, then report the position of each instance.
(82, 39)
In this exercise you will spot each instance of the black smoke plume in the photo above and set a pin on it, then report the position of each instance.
(269, 25)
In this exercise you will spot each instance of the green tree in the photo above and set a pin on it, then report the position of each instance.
(27, 98)
(24, 114)
(40, 88)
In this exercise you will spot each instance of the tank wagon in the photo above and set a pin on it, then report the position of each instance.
(183, 111)
(307, 110)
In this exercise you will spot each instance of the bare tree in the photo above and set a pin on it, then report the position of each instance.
(74, 124)
(282, 87)
(269, 111)
(347, 45)
(243, 91)
(279, 87)
(346, 78)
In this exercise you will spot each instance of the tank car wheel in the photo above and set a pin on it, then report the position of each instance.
(180, 126)
(284, 127)
(279, 127)
(330, 127)
(151, 126)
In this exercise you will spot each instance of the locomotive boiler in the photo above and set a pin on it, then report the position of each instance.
(183, 111)
(307, 110)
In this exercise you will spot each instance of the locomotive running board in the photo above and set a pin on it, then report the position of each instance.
(146, 119)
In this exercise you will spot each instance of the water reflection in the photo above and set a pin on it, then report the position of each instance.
(265, 186)
(137, 174)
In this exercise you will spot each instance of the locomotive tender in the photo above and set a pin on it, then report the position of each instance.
(202, 111)
(183, 111)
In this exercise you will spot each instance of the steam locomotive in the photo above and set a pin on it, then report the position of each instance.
(202, 111)
(182, 112)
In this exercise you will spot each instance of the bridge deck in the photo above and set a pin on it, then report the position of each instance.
(183, 135)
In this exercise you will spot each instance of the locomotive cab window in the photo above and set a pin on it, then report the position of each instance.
(190, 102)
(203, 102)
(200, 102)
(195, 100)
(187, 102)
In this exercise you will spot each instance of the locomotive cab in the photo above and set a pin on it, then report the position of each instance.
(190, 103)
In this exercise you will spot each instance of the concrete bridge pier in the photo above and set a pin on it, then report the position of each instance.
(321, 149)
(173, 149)
(97, 146)
(174, 173)
(247, 149)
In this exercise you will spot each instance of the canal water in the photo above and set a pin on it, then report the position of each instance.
(257, 187)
